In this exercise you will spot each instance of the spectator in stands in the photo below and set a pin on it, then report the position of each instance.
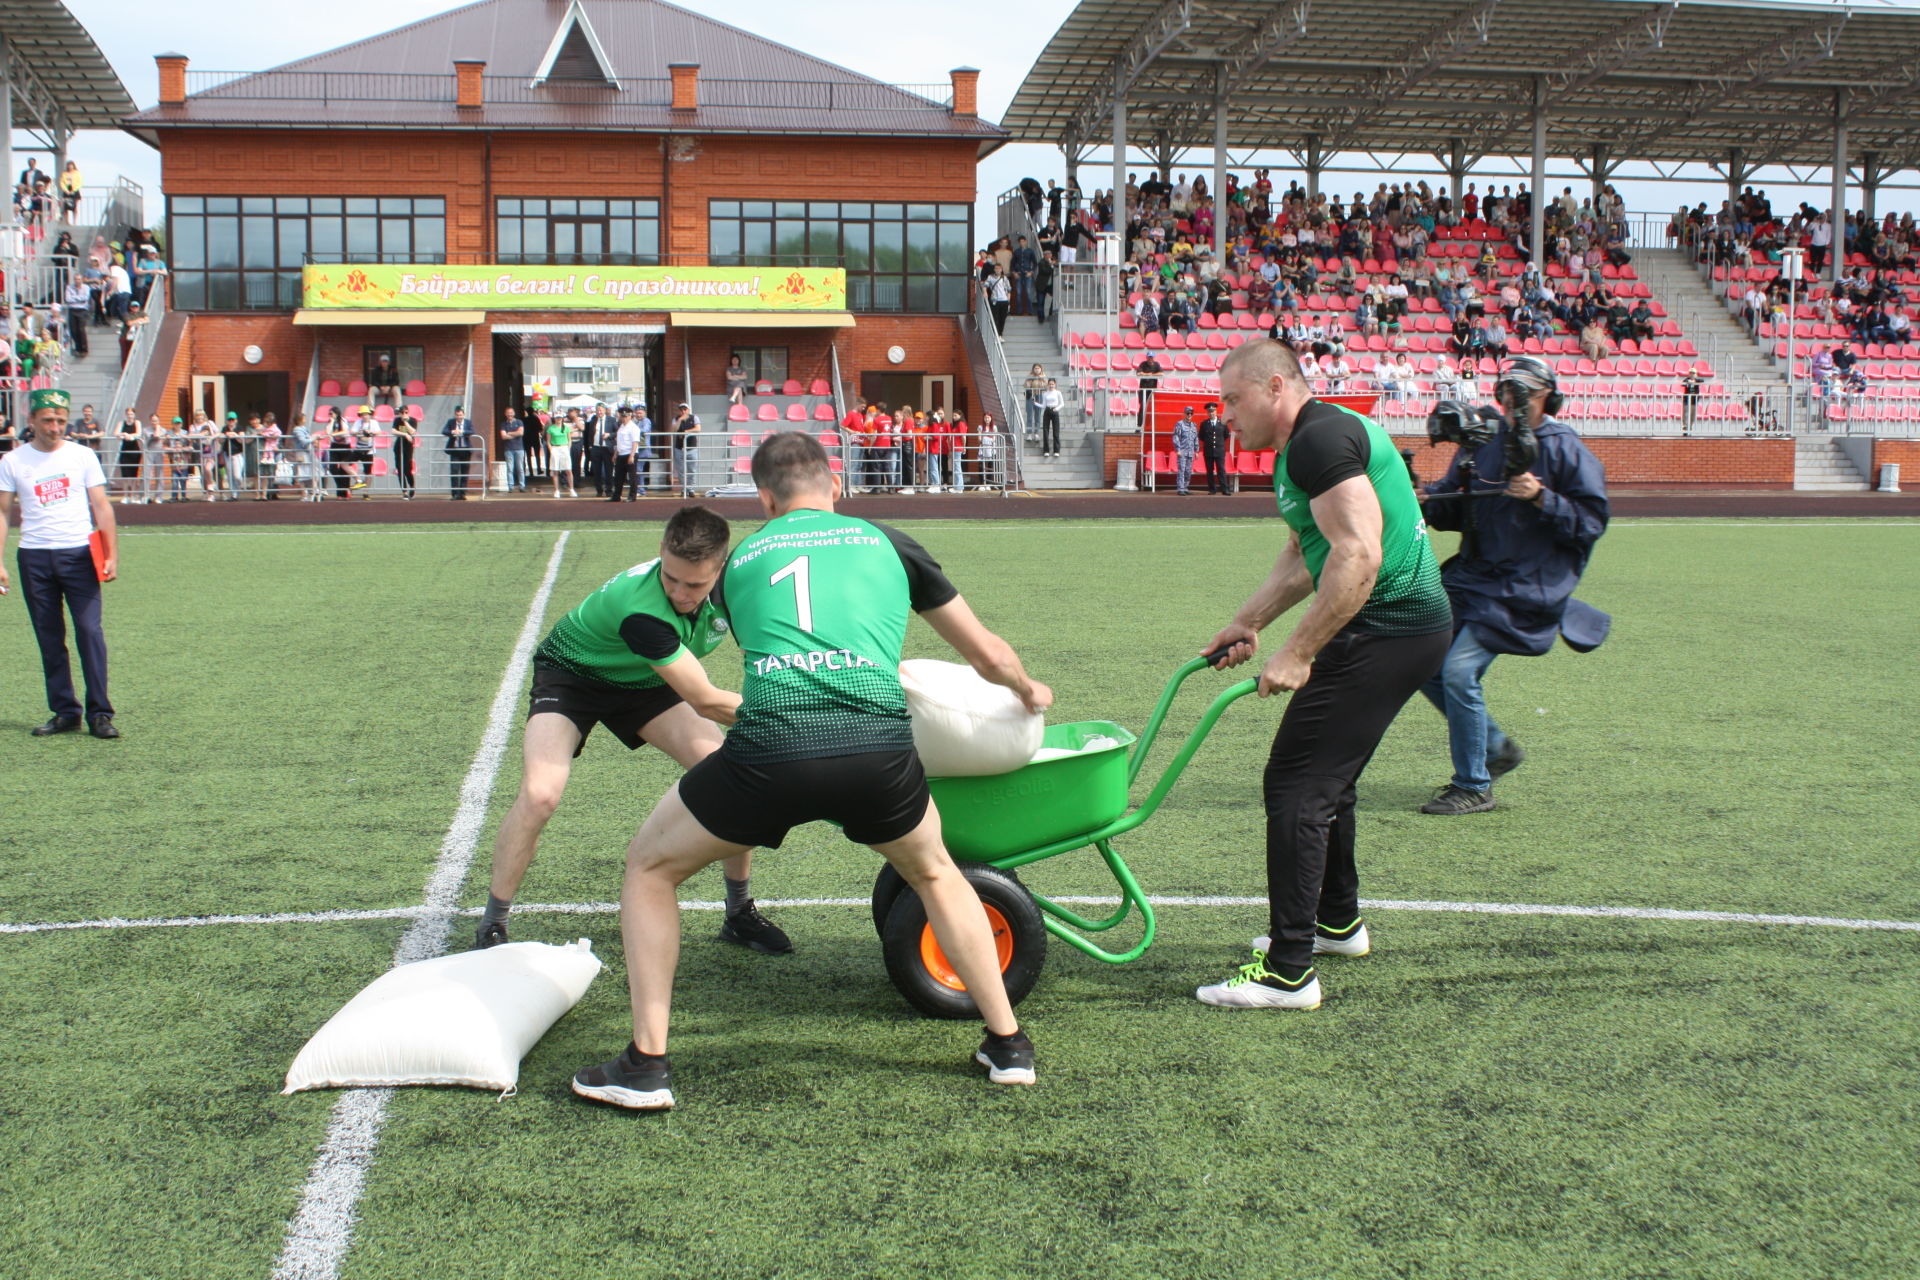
(1689, 400)
(270, 433)
(999, 298)
(1450, 302)
(130, 434)
(77, 299)
(1495, 330)
(1043, 284)
(884, 458)
(1467, 389)
(1594, 343)
(1641, 320)
(1821, 367)
(1819, 241)
(990, 448)
(936, 438)
(626, 458)
(133, 318)
(513, 449)
(1024, 263)
(903, 441)
(1214, 438)
(1337, 371)
(463, 439)
(148, 270)
(1036, 384)
(383, 380)
(70, 188)
(1051, 402)
(737, 381)
(958, 438)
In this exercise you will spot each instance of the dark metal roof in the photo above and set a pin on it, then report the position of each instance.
(1664, 80)
(404, 78)
(66, 63)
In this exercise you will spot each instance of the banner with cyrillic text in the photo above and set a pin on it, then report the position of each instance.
(425, 287)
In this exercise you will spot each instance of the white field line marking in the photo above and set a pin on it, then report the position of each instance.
(1369, 904)
(322, 1226)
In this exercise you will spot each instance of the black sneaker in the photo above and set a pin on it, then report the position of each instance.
(491, 933)
(1506, 760)
(623, 1082)
(102, 727)
(748, 928)
(59, 724)
(1009, 1060)
(1451, 799)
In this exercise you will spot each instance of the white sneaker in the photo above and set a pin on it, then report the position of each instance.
(907, 490)
(1247, 990)
(1354, 943)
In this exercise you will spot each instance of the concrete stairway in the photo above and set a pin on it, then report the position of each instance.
(1821, 465)
(1703, 316)
(1080, 464)
(92, 379)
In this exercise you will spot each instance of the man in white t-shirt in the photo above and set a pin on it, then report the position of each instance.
(62, 495)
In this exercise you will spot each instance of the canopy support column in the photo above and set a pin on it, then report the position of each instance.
(1316, 161)
(1537, 206)
(1457, 172)
(1601, 172)
(1217, 185)
(1120, 166)
(1870, 176)
(1837, 259)
(1738, 171)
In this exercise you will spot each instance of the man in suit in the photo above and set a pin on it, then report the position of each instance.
(1213, 443)
(462, 439)
(599, 445)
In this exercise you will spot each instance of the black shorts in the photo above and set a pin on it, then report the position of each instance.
(625, 712)
(875, 797)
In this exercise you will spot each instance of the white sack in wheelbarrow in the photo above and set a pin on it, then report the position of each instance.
(460, 1019)
(965, 726)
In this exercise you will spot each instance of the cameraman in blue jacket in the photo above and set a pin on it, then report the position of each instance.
(1529, 504)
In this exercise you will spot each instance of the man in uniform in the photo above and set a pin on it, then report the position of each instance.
(1378, 627)
(1213, 443)
(818, 603)
(628, 658)
(62, 494)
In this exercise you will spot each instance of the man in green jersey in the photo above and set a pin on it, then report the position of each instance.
(629, 658)
(1377, 629)
(818, 603)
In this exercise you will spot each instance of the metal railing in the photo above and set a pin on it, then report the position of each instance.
(327, 87)
(133, 372)
(1012, 402)
(182, 466)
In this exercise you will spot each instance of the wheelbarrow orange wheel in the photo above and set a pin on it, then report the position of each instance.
(920, 969)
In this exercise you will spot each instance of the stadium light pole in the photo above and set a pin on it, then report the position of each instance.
(1790, 259)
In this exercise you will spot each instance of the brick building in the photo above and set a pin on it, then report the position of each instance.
(614, 138)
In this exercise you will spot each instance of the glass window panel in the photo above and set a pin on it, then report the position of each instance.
(509, 208)
(257, 243)
(257, 204)
(396, 239)
(288, 290)
(955, 255)
(790, 209)
(396, 204)
(188, 242)
(363, 236)
(363, 205)
(756, 209)
(920, 212)
(223, 291)
(859, 292)
(921, 254)
(510, 237)
(888, 293)
(647, 208)
(223, 243)
(258, 291)
(724, 209)
(293, 241)
(756, 241)
(536, 207)
(593, 238)
(563, 208)
(857, 237)
(432, 204)
(856, 211)
(593, 208)
(327, 204)
(823, 244)
(791, 239)
(920, 293)
(886, 246)
(290, 204)
(328, 237)
(953, 293)
(621, 242)
(646, 240)
(829, 210)
(892, 211)
(189, 290)
(429, 239)
(189, 204)
(562, 239)
(222, 204)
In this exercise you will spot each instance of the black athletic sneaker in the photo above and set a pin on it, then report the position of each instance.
(491, 933)
(1451, 799)
(624, 1082)
(1008, 1061)
(748, 928)
(1505, 760)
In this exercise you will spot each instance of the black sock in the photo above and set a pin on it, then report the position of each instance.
(739, 892)
(1017, 1039)
(497, 909)
(638, 1059)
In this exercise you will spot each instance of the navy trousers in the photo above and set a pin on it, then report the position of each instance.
(50, 578)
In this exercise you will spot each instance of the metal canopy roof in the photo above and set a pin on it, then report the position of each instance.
(1649, 79)
(57, 70)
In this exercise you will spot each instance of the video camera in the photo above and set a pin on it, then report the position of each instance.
(1470, 427)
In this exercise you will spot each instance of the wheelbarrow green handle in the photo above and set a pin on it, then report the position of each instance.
(1159, 716)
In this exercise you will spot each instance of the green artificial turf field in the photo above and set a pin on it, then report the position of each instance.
(1488, 1095)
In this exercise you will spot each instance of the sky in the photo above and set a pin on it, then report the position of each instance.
(1001, 37)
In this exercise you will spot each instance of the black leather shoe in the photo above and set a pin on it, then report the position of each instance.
(102, 727)
(59, 724)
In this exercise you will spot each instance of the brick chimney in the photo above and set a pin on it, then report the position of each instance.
(173, 78)
(686, 85)
(468, 85)
(966, 91)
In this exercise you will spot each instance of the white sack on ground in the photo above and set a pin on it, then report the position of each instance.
(461, 1019)
(964, 726)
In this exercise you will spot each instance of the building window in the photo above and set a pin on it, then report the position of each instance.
(898, 257)
(584, 232)
(607, 375)
(244, 253)
(763, 364)
(409, 363)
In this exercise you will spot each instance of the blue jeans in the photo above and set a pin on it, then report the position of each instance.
(516, 460)
(1471, 733)
(933, 468)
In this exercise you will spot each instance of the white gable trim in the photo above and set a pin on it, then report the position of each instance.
(575, 16)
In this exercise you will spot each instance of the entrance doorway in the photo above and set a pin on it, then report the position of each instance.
(936, 392)
(209, 397)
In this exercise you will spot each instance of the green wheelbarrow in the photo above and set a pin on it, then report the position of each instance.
(1073, 796)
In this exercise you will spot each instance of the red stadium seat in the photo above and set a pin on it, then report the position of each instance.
(823, 412)
(329, 387)
(795, 412)
(829, 439)
(743, 466)
(415, 388)
(738, 413)
(741, 440)
(357, 389)
(763, 388)
(768, 413)
(819, 387)
(792, 387)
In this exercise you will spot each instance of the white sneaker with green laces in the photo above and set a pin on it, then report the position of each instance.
(1257, 987)
(1352, 942)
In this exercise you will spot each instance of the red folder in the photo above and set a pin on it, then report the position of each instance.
(97, 543)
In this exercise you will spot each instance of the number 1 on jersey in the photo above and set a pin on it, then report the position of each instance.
(802, 591)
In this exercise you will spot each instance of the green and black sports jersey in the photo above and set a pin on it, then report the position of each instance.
(622, 632)
(1331, 444)
(818, 604)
